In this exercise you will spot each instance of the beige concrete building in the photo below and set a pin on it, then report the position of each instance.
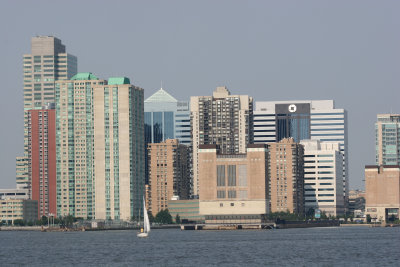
(382, 192)
(74, 145)
(222, 119)
(323, 177)
(169, 174)
(286, 176)
(118, 149)
(233, 184)
(48, 62)
(12, 209)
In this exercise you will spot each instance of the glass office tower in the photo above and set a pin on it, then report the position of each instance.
(165, 118)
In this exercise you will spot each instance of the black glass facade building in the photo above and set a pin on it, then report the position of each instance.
(293, 120)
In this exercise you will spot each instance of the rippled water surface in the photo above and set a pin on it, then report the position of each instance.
(350, 246)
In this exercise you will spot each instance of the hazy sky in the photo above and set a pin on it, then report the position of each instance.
(348, 51)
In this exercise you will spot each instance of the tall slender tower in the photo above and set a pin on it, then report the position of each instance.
(47, 63)
(222, 119)
(42, 158)
(118, 149)
(74, 145)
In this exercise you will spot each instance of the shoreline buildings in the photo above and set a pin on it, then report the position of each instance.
(74, 145)
(303, 120)
(234, 188)
(42, 158)
(323, 176)
(221, 119)
(119, 170)
(286, 176)
(100, 148)
(382, 192)
(169, 174)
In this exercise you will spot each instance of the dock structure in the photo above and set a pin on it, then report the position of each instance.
(228, 226)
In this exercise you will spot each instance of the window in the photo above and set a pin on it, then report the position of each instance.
(231, 194)
(221, 194)
(232, 175)
(220, 175)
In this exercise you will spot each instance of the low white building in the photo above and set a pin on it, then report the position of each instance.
(323, 176)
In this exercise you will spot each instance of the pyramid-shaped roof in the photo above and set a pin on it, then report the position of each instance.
(160, 96)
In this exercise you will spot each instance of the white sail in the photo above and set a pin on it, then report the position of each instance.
(146, 222)
(146, 218)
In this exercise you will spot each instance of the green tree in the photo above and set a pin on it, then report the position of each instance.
(310, 213)
(69, 220)
(368, 218)
(177, 219)
(19, 222)
(163, 217)
(44, 220)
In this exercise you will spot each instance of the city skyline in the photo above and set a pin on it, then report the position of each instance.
(270, 51)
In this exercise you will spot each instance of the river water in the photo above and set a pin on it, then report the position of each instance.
(337, 246)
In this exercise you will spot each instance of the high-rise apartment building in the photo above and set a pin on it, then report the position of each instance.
(286, 176)
(100, 147)
(323, 177)
(119, 168)
(169, 174)
(233, 187)
(222, 119)
(22, 173)
(75, 145)
(165, 118)
(387, 130)
(302, 120)
(47, 63)
(42, 158)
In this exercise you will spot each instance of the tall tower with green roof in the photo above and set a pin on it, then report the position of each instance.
(75, 145)
(118, 149)
(100, 148)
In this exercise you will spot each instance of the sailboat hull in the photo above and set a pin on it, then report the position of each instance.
(142, 235)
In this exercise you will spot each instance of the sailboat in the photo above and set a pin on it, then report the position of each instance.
(144, 232)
